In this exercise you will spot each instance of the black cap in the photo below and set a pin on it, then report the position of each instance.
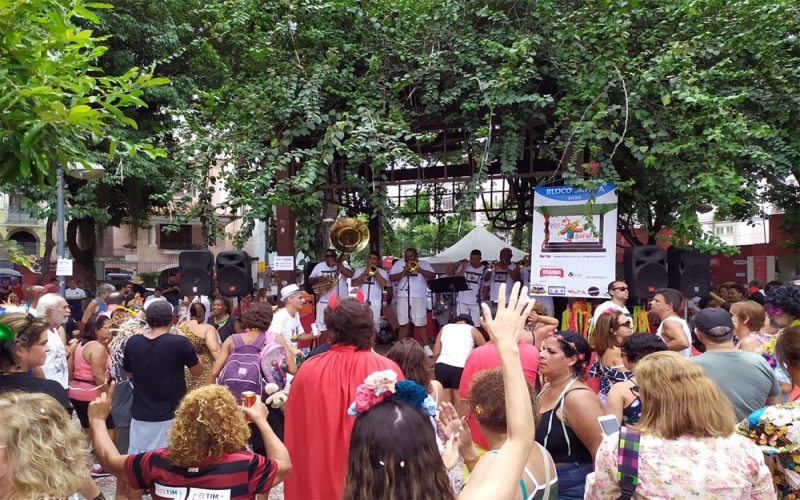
(466, 318)
(711, 318)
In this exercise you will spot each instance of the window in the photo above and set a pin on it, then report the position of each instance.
(27, 241)
(177, 240)
(723, 230)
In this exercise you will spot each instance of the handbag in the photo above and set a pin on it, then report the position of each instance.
(628, 461)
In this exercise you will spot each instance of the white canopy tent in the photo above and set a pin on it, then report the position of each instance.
(489, 245)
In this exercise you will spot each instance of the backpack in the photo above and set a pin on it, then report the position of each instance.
(628, 461)
(273, 362)
(242, 370)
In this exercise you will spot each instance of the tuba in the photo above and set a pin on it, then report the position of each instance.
(348, 236)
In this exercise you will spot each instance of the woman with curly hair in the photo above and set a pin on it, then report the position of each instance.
(568, 429)
(206, 449)
(610, 329)
(486, 402)
(783, 305)
(41, 453)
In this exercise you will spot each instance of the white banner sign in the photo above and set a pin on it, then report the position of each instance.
(573, 245)
(284, 263)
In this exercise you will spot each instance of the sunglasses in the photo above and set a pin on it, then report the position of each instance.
(327, 256)
(620, 288)
(628, 322)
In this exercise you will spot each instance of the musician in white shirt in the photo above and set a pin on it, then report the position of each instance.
(473, 271)
(504, 271)
(329, 269)
(372, 285)
(417, 305)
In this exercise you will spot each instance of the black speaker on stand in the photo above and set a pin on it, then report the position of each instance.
(197, 272)
(234, 274)
(645, 270)
(689, 271)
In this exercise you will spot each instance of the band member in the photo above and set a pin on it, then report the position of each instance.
(525, 278)
(473, 271)
(371, 279)
(503, 271)
(411, 275)
(325, 280)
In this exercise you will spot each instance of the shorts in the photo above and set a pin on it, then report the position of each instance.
(147, 436)
(376, 316)
(82, 409)
(419, 311)
(474, 310)
(123, 439)
(448, 376)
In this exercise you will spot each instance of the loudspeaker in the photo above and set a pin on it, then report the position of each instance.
(234, 274)
(307, 270)
(689, 271)
(197, 272)
(645, 270)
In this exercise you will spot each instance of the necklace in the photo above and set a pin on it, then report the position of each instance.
(222, 322)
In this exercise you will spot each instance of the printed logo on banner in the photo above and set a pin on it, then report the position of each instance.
(552, 272)
(573, 228)
(575, 291)
(537, 290)
(556, 290)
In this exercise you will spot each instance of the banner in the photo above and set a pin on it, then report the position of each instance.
(573, 248)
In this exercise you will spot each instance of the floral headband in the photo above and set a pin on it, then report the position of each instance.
(570, 344)
(380, 386)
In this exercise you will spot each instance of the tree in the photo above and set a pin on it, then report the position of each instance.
(679, 102)
(57, 106)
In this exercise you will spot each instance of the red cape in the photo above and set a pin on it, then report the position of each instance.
(317, 432)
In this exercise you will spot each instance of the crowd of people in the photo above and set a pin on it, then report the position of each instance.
(192, 396)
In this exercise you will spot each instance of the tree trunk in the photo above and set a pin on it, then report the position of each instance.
(82, 243)
(49, 245)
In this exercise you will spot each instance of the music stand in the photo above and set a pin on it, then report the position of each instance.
(451, 285)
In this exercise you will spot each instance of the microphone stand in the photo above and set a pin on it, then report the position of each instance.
(369, 288)
(408, 297)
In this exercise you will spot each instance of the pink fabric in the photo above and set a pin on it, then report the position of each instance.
(486, 357)
(83, 370)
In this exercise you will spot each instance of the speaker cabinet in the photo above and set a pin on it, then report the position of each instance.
(645, 270)
(689, 271)
(197, 272)
(234, 274)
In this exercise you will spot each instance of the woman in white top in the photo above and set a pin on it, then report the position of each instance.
(450, 353)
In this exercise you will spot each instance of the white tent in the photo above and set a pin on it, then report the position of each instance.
(489, 245)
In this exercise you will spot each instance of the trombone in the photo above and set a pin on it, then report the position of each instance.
(412, 266)
(498, 264)
(348, 235)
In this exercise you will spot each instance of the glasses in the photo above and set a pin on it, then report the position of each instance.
(628, 323)
(620, 288)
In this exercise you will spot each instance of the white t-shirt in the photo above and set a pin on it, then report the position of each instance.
(372, 290)
(323, 269)
(685, 326)
(525, 276)
(55, 364)
(150, 299)
(73, 294)
(457, 343)
(497, 278)
(287, 326)
(608, 306)
(418, 283)
(474, 277)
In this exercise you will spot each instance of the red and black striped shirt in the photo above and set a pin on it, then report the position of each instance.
(234, 476)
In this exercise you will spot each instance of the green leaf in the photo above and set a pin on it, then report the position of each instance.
(666, 99)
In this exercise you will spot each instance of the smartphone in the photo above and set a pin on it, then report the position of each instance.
(609, 424)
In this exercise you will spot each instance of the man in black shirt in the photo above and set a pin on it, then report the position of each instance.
(171, 292)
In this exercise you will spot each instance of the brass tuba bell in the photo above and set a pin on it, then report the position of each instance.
(348, 235)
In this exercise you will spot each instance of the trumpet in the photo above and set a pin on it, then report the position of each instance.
(412, 266)
(523, 263)
(498, 264)
(372, 270)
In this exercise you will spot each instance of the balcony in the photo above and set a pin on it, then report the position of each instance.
(18, 217)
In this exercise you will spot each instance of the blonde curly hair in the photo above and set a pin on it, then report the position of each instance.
(208, 423)
(46, 452)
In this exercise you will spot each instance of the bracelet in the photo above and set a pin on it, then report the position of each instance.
(472, 461)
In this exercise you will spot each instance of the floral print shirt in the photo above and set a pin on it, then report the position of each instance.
(728, 468)
(776, 430)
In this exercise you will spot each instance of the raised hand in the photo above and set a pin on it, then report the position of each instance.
(509, 322)
(448, 420)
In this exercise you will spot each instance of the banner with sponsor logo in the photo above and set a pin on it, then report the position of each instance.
(573, 249)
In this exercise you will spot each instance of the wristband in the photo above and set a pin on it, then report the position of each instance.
(471, 461)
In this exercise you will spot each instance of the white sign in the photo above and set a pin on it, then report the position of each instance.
(573, 251)
(64, 267)
(283, 263)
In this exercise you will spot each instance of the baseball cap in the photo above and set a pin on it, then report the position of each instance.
(466, 318)
(288, 291)
(159, 307)
(708, 319)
